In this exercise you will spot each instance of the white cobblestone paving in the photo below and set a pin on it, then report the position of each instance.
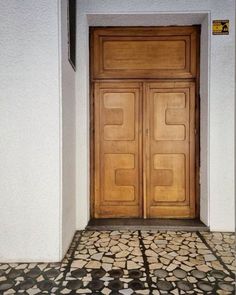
(131, 262)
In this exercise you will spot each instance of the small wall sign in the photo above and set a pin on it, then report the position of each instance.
(220, 27)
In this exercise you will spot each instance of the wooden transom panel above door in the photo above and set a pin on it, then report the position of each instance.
(167, 52)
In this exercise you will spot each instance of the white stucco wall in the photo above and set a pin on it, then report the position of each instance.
(217, 94)
(37, 131)
(42, 126)
(68, 137)
(29, 131)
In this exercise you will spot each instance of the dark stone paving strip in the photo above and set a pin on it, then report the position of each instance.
(232, 275)
(145, 262)
(68, 266)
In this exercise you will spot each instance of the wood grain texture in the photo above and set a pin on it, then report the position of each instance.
(168, 52)
(170, 150)
(118, 185)
(145, 122)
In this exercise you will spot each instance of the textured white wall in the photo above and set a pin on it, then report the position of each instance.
(68, 137)
(29, 131)
(217, 93)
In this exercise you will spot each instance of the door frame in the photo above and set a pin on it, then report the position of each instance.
(91, 119)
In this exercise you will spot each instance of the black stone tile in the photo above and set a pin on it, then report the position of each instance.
(135, 274)
(198, 274)
(52, 273)
(46, 285)
(96, 285)
(34, 272)
(164, 285)
(218, 274)
(116, 273)
(184, 285)
(205, 286)
(79, 273)
(27, 284)
(74, 285)
(14, 273)
(115, 285)
(98, 273)
(179, 273)
(136, 285)
(5, 285)
(160, 273)
(226, 286)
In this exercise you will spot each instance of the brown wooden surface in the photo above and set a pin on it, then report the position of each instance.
(144, 152)
(168, 52)
(118, 150)
(170, 149)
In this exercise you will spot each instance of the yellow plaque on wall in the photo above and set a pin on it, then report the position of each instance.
(220, 27)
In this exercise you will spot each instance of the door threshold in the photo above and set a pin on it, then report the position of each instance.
(146, 224)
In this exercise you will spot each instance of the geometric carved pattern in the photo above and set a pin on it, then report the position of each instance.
(170, 115)
(171, 140)
(169, 174)
(119, 177)
(117, 150)
(119, 116)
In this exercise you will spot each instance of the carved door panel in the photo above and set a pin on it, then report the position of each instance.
(118, 150)
(170, 149)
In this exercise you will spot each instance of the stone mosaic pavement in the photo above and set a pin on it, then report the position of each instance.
(131, 262)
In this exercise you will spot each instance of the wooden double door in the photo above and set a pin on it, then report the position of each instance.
(144, 130)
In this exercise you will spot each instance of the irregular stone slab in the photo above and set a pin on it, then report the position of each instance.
(198, 274)
(96, 285)
(115, 285)
(135, 274)
(115, 249)
(160, 242)
(120, 264)
(164, 286)
(5, 285)
(116, 273)
(52, 273)
(171, 267)
(107, 259)
(160, 273)
(123, 253)
(209, 257)
(14, 273)
(150, 253)
(218, 274)
(179, 273)
(107, 266)
(136, 285)
(97, 256)
(78, 263)
(126, 291)
(132, 265)
(93, 264)
(34, 272)
(226, 286)
(74, 285)
(46, 285)
(28, 283)
(184, 285)
(98, 273)
(205, 286)
(79, 273)
(203, 267)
